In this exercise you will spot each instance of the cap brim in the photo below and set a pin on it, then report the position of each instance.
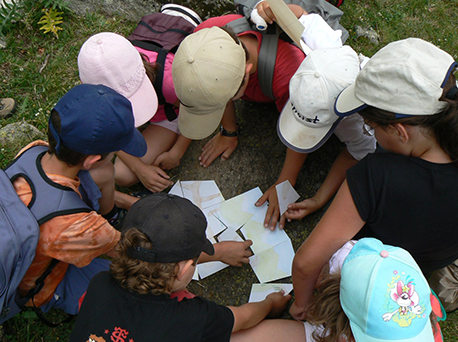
(198, 126)
(299, 137)
(137, 145)
(347, 103)
(426, 335)
(208, 247)
(144, 102)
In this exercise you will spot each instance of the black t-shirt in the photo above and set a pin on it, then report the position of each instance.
(116, 314)
(410, 203)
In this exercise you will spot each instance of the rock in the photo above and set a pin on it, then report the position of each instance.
(369, 33)
(18, 134)
(135, 9)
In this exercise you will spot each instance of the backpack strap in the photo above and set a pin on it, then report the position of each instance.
(267, 52)
(168, 108)
(49, 199)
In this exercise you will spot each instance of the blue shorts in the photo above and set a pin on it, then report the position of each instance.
(74, 285)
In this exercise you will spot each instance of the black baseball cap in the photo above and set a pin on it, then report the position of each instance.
(174, 225)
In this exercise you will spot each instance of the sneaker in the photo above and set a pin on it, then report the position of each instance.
(118, 221)
(7, 107)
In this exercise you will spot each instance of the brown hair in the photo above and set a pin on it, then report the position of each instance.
(443, 126)
(141, 276)
(70, 157)
(150, 67)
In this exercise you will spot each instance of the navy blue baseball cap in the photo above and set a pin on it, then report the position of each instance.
(96, 119)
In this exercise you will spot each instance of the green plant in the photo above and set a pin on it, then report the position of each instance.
(9, 14)
(50, 21)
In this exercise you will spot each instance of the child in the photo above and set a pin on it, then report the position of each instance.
(86, 126)
(212, 69)
(407, 197)
(374, 292)
(308, 119)
(110, 59)
(162, 239)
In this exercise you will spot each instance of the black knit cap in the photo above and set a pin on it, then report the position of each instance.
(174, 225)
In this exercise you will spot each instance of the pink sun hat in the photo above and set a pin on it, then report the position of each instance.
(110, 59)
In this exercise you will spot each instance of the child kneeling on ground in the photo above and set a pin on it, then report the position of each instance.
(162, 238)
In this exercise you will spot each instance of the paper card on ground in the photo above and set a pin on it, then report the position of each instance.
(273, 263)
(230, 235)
(202, 193)
(236, 211)
(263, 238)
(286, 195)
(195, 275)
(214, 226)
(259, 292)
(176, 189)
(210, 268)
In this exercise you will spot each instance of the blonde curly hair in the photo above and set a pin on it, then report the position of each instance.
(141, 276)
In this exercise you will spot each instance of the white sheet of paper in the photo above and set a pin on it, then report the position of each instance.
(286, 195)
(259, 292)
(236, 211)
(202, 193)
(214, 226)
(196, 274)
(209, 268)
(263, 238)
(176, 189)
(273, 263)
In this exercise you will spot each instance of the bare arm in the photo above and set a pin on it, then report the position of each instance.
(250, 314)
(234, 253)
(339, 224)
(152, 177)
(266, 13)
(170, 159)
(328, 189)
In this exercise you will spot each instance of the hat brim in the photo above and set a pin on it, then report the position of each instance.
(426, 335)
(347, 103)
(144, 102)
(137, 145)
(208, 247)
(299, 137)
(198, 126)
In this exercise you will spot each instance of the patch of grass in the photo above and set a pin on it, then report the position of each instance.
(29, 50)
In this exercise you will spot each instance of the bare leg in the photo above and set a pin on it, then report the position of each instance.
(103, 176)
(275, 330)
(158, 140)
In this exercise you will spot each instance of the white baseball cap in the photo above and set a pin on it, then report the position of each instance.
(308, 118)
(110, 59)
(405, 77)
(207, 71)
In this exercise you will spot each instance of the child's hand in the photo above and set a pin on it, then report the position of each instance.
(154, 178)
(218, 145)
(167, 160)
(279, 301)
(273, 211)
(233, 253)
(297, 312)
(297, 211)
(265, 12)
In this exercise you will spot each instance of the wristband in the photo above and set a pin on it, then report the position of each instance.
(230, 134)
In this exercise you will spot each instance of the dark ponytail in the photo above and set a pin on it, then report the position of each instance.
(443, 126)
